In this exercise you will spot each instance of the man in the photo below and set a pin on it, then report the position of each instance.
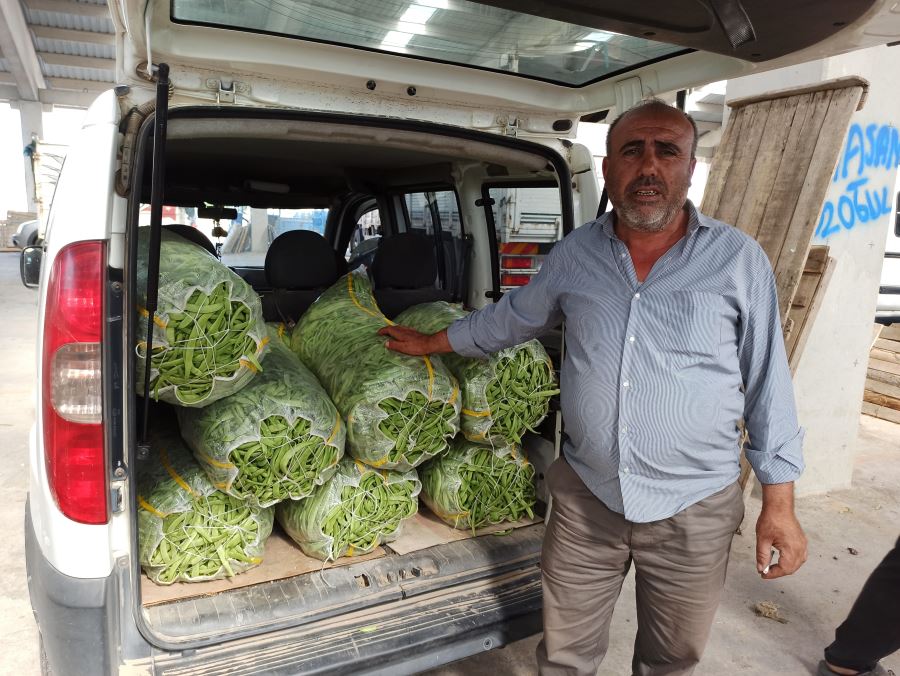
(872, 629)
(673, 336)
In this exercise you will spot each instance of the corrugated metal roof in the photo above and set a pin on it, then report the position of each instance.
(40, 17)
(76, 48)
(75, 73)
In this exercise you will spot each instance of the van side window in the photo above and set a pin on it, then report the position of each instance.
(435, 214)
(254, 230)
(527, 223)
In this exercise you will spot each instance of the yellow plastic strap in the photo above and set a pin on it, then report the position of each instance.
(150, 508)
(476, 414)
(262, 344)
(164, 458)
(350, 550)
(255, 559)
(430, 377)
(337, 426)
(246, 363)
(356, 302)
(156, 320)
(379, 463)
(361, 468)
(281, 330)
(214, 462)
(454, 394)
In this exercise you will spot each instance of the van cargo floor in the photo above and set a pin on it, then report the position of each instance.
(290, 588)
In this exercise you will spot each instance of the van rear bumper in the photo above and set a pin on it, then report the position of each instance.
(73, 614)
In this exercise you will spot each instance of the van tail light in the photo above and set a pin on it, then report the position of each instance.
(72, 391)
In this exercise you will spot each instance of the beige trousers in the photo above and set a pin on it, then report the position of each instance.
(680, 565)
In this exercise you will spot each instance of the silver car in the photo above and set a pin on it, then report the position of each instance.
(26, 234)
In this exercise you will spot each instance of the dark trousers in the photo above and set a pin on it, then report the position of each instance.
(872, 630)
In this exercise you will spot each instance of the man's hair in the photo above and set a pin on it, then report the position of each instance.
(651, 104)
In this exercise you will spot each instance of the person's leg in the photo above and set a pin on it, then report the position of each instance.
(872, 629)
(584, 560)
(680, 565)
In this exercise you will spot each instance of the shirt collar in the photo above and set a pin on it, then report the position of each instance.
(607, 221)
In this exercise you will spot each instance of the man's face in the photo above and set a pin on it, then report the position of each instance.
(649, 168)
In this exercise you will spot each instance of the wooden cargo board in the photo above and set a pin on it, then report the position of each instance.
(283, 558)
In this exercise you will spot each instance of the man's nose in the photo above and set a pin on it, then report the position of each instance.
(649, 165)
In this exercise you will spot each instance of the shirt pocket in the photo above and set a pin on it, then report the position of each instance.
(693, 332)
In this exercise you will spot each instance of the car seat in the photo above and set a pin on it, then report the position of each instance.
(404, 272)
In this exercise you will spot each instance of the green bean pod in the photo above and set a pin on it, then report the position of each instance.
(187, 530)
(358, 510)
(400, 410)
(209, 336)
(472, 485)
(504, 396)
(276, 439)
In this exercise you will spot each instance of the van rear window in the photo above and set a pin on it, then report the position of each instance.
(449, 31)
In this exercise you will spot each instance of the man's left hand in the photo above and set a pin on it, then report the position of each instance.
(778, 527)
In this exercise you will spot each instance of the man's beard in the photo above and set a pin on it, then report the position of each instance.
(655, 218)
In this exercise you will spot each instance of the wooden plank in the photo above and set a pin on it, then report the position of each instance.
(890, 332)
(768, 159)
(282, 559)
(881, 400)
(808, 115)
(798, 342)
(884, 366)
(743, 166)
(881, 412)
(809, 282)
(817, 259)
(812, 196)
(884, 355)
(885, 377)
(876, 332)
(836, 83)
(878, 387)
(725, 154)
(887, 345)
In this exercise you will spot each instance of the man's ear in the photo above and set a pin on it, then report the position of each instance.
(606, 161)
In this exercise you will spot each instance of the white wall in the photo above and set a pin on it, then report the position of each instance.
(856, 214)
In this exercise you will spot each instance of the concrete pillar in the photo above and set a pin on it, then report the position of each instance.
(32, 126)
(259, 230)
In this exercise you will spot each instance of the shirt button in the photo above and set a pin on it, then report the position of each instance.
(626, 470)
(622, 255)
(637, 295)
(630, 339)
(624, 429)
(625, 383)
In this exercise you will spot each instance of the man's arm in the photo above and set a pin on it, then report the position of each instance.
(522, 314)
(775, 438)
(409, 341)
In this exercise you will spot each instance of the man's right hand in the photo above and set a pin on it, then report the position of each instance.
(409, 341)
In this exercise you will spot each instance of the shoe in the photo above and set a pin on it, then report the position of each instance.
(878, 670)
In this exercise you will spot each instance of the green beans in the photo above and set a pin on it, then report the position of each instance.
(359, 509)
(188, 531)
(473, 485)
(277, 438)
(209, 336)
(503, 396)
(400, 410)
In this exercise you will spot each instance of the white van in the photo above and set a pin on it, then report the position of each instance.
(368, 110)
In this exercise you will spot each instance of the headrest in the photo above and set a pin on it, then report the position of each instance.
(404, 261)
(192, 235)
(301, 259)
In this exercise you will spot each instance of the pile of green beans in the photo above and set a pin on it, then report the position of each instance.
(208, 335)
(188, 531)
(417, 425)
(278, 438)
(519, 394)
(473, 485)
(400, 410)
(503, 396)
(359, 509)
